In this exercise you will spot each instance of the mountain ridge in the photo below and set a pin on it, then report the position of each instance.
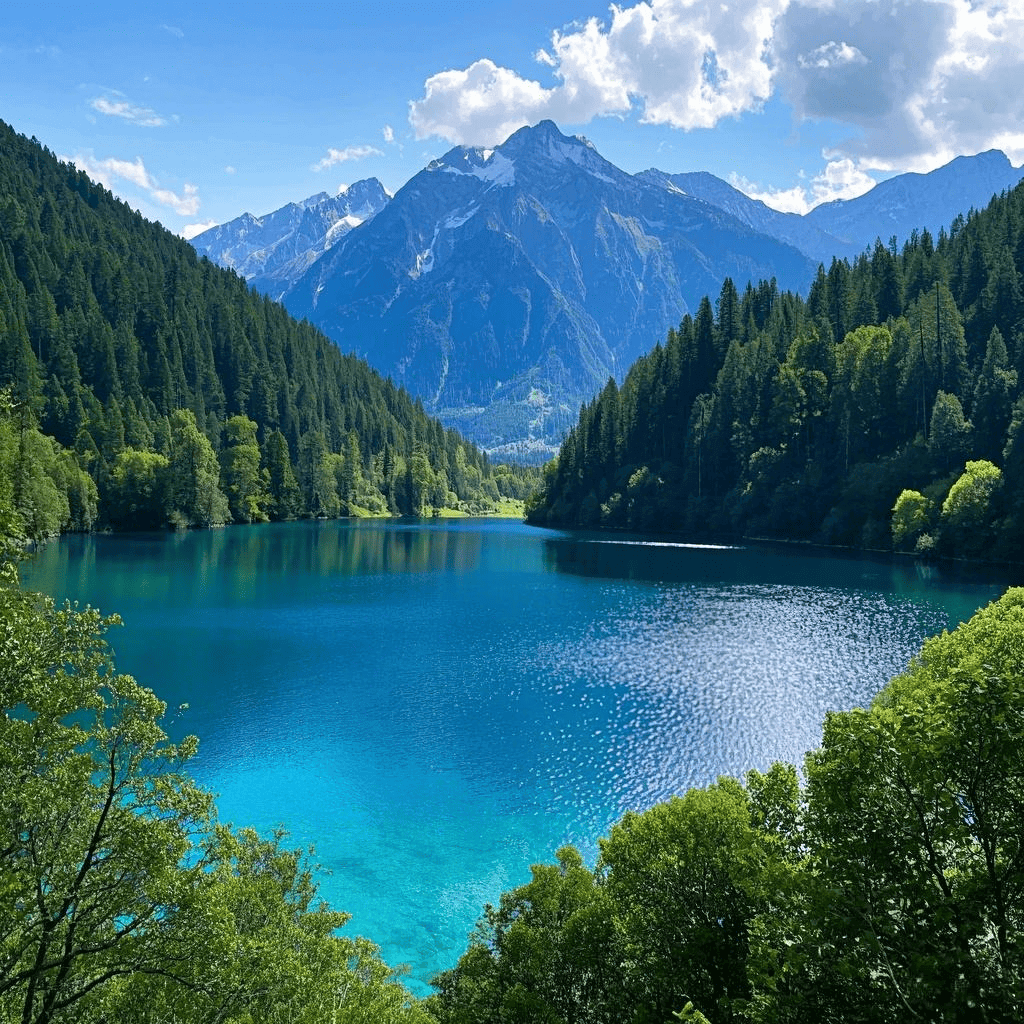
(505, 285)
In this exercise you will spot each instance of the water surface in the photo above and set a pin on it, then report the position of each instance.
(436, 705)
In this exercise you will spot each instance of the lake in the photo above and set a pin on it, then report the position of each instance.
(436, 705)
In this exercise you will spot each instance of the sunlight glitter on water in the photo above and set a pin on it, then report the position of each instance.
(436, 706)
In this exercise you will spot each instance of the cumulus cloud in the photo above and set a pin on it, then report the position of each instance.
(111, 172)
(841, 179)
(129, 111)
(389, 133)
(680, 62)
(340, 156)
(915, 81)
(190, 231)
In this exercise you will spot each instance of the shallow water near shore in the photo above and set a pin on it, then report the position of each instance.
(436, 705)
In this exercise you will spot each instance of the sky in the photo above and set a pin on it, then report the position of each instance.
(196, 113)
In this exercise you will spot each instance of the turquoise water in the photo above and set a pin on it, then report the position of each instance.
(438, 705)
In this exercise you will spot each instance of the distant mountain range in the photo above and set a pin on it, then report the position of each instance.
(503, 287)
(273, 251)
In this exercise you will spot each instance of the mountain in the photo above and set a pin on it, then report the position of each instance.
(914, 201)
(791, 228)
(846, 227)
(273, 251)
(505, 286)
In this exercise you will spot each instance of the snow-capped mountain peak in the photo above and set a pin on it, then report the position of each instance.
(274, 250)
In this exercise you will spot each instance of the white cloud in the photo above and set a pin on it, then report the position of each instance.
(186, 205)
(174, 31)
(389, 134)
(129, 111)
(841, 179)
(681, 62)
(915, 81)
(831, 55)
(191, 230)
(482, 105)
(111, 171)
(340, 156)
(931, 78)
(229, 169)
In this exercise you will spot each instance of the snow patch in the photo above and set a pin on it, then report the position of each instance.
(579, 152)
(425, 259)
(496, 168)
(342, 226)
(456, 220)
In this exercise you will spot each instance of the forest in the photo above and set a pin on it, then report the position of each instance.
(884, 411)
(153, 389)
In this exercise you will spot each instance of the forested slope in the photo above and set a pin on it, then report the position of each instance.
(895, 384)
(184, 396)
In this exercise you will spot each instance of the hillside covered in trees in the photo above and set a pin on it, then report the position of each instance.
(152, 387)
(884, 410)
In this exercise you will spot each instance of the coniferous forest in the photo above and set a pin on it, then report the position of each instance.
(153, 388)
(883, 411)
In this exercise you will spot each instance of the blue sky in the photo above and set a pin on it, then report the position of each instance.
(197, 113)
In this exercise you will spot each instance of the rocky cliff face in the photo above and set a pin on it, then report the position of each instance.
(273, 251)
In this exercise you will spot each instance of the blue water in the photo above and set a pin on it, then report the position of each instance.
(438, 705)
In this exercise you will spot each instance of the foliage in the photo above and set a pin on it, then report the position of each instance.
(915, 840)
(909, 518)
(121, 897)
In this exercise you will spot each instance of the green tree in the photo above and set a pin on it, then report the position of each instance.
(194, 493)
(910, 518)
(949, 434)
(285, 498)
(968, 510)
(548, 953)
(993, 398)
(316, 476)
(96, 814)
(137, 490)
(240, 471)
(915, 829)
(684, 877)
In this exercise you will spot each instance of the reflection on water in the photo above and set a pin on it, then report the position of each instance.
(437, 705)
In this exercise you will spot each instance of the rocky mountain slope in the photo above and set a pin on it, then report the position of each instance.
(504, 287)
(273, 251)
